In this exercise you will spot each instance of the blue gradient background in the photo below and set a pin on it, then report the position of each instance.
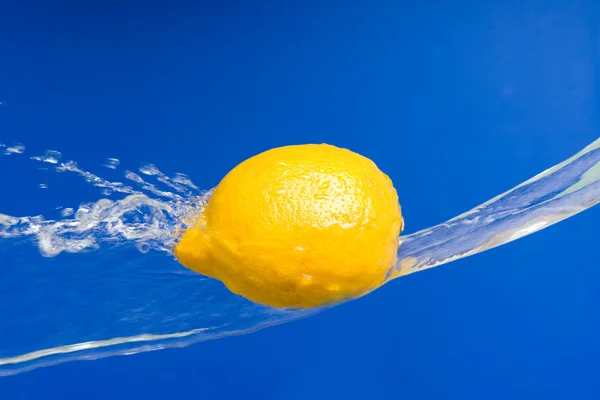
(456, 101)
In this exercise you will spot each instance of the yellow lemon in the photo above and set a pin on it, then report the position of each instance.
(298, 226)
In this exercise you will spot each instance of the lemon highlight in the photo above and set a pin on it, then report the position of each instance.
(298, 227)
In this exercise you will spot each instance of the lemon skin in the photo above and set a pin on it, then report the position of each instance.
(298, 227)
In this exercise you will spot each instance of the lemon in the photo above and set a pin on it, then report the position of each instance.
(298, 227)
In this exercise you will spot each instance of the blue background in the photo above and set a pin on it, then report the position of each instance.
(456, 101)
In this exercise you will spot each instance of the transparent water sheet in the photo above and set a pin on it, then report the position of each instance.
(558, 193)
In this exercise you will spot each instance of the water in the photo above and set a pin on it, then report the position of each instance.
(550, 197)
(102, 280)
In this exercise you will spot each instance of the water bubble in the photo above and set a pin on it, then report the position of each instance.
(43, 186)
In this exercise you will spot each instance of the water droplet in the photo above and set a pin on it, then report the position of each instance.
(149, 169)
(143, 247)
(67, 212)
(183, 179)
(68, 166)
(111, 163)
(50, 156)
(132, 176)
(16, 149)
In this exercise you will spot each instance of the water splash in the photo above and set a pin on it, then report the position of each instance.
(104, 282)
(147, 222)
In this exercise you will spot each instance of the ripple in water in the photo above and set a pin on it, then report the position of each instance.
(103, 281)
